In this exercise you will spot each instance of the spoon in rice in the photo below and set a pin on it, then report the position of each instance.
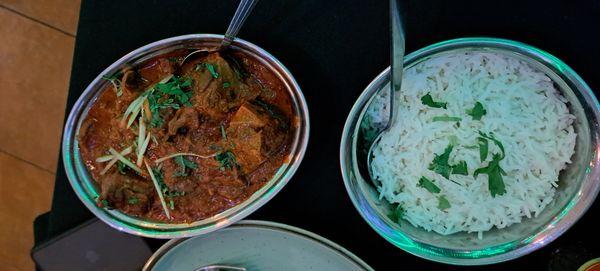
(241, 13)
(396, 70)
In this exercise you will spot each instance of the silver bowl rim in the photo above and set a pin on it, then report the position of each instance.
(556, 227)
(163, 230)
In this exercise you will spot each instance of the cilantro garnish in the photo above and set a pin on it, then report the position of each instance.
(210, 67)
(171, 94)
(483, 148)
(183, 163)
(428, 100)
(428, 185)
(460, 168)
(443, 203)
(227, 160)
(397, 214)
(492, 138)
(226, 84)
(493, 169)
(212, 70)
(477, 112)
(495, 173)
(105, 204)
(121, 167)
(446, 118)
(440, 164)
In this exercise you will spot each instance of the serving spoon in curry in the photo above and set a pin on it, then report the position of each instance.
(241, 13)
(397, 51)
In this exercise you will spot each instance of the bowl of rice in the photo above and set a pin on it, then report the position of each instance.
(493, 152)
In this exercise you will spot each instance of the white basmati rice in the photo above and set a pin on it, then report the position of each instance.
(524, 111)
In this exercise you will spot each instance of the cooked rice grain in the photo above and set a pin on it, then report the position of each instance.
(524, 111)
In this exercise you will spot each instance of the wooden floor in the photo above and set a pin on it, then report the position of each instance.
(35, 64)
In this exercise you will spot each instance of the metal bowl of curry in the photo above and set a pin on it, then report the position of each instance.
(178, 139)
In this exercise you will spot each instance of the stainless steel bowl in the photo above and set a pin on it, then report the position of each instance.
(87, 190)
(578, 183)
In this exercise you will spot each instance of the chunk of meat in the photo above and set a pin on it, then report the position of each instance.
(217, 87)
(248, 114)
(247, 144)
(123, 190)
(230, 191)
(185, 117)
(157, 70)
(255, 134)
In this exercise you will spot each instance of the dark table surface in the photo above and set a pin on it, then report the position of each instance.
(334, 49)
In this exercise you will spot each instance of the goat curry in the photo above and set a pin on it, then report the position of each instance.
(182, 137)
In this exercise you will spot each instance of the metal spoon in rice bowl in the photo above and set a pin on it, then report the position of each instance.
(398, 46)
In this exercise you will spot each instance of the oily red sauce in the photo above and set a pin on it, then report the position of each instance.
(239, 116)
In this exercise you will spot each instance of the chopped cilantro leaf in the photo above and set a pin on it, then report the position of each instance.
(227, 160)
(443, 203)
(121, 167)
(483, 148)
(189, 164)
(493, 169)
(226, 84)
(460, 168)
(428, 185)
(183, 163)
(495, 173)
(171, 204)
(397, 214)
(210, 67)
(446, 118)
(169, 95)
(496, 141)
(440, 163)
(428, 100)
(105, 204)
(477, 112)
(163, 187)
(212, 70)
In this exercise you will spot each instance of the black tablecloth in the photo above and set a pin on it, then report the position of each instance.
(334, 49)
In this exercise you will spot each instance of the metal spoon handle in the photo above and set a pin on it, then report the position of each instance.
(397, 55)
(242, 12)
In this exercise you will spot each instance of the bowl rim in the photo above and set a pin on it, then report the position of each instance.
(576, 206)
(132, 225)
